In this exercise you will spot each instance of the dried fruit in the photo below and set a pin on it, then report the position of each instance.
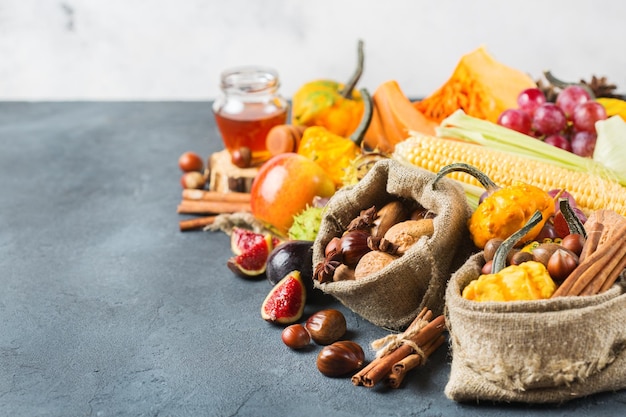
(340, 358)
(285, 302)
(296, 336)
(326, 326)
(253, 261)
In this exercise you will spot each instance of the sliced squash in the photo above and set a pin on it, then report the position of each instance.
(393, 118)
(480, 85)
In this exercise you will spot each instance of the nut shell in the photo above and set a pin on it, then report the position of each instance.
(296, 336)
(326, 326)
(372, 262)
(406, 233)
(340, 358)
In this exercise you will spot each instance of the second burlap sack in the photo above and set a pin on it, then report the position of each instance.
(393, 296)
(542, 351)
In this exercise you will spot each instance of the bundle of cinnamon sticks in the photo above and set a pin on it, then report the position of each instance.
(211, 204)
(603, 257)
(399, 354)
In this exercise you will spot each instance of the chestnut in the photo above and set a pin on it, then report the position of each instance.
(353, 246)
(521, 256)
(340, 358)
(561, 263)
(190, 161)
(573, 242)
(326, 326)
(296, 336)
(491, 247)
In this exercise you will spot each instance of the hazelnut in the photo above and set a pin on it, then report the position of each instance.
(340, 358)
(296, 336)
(326, 326)
(343, 273)
(241, 157)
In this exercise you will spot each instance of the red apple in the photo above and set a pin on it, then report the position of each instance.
(284, 186)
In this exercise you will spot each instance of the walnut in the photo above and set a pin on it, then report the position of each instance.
(372, 262)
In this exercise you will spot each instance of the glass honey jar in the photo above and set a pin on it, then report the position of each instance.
(249, 106)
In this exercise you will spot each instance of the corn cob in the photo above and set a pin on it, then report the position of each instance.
(590, 190)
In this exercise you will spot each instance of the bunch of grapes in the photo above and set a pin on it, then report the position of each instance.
(568, 123)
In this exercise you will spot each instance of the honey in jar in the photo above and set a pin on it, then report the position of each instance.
(250, 105)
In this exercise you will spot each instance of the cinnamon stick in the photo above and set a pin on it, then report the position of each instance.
(591, 242)
(207, 195)
(196, 223)
(382, 365)
(603, 282)
(211, 207)
(610, 280)
(594, 266)
(400, 369)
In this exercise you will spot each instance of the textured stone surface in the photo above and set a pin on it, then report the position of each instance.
(161, 49)
(107, 309)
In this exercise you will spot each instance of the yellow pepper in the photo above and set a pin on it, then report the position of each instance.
(333, 152)
(526, 281)
(330, 104)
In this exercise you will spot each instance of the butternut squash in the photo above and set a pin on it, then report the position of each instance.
(480, 85)
(394, 118)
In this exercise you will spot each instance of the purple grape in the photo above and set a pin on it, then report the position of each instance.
(584, 143)
(562, 194)
(516, 119)
(559, 141)
(586, 115)
(530, 99)
(549, 119)
(570, 97)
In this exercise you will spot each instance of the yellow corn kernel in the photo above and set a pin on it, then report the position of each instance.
(591, 191)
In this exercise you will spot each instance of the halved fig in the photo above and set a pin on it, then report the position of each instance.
(242, 239)
(252, 262)
(285, 302)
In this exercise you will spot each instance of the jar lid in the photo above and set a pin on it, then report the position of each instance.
(249, 79)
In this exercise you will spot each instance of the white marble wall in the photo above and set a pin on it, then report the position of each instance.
(175, 49)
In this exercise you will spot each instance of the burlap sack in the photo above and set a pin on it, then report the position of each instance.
(543, 351)
(393, 297)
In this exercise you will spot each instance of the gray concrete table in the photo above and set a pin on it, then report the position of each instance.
(107, 309)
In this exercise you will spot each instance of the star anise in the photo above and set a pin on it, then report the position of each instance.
(364, 220)
(325, 270)
(382, 244)
(601, 87)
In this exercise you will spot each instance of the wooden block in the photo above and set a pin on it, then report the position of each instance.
(225, 177)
